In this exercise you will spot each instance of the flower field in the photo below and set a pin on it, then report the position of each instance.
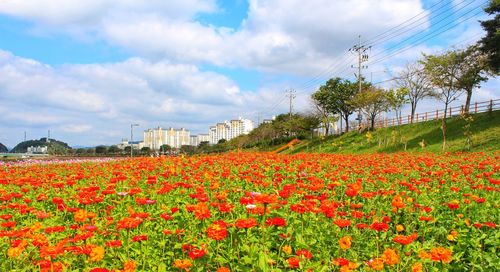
(253, 212)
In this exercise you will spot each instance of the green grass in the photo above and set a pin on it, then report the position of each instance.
(485, 130)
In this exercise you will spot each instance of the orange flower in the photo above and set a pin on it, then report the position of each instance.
(345, 242)
(97, 254)
(223, 269)
(129, 266)
(376, 264)
(441, 254)
(287, 249)
(397, 202)
(184, 264)
(217, 230)
(80, 215)
(390, 256)
(417, 267)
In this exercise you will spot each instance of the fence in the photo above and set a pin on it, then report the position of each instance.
(476, 107)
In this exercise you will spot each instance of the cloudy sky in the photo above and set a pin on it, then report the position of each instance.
(88, 69)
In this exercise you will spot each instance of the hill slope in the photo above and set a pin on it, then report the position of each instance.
(485, 129)
(54, 146)
(3, 148)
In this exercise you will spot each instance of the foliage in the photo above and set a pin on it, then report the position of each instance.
(101, 149)
(490, 44)
(253, 212)
(335, 97)
(372, 101)
(54, 146)
(397, 98)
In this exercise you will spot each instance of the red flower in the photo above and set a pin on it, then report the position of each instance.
(139, 238)
(294, 262)
(197, 253)
(304, 253)
(217, 230)
(114, 243)
(342, 223)
(246, 223)
(276, 221)
(379, 226)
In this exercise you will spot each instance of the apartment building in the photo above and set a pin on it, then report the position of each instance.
(155, 138)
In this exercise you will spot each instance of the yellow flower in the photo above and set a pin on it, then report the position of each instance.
(97, 254)
(400, 228)
(15, 252)
(287, 249)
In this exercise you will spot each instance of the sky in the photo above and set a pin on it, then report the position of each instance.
(87, 70)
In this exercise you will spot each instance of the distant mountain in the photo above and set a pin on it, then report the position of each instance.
(54, 146)
(3, 148)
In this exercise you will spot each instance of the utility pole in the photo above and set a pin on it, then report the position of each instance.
(48, 136)
(362, 57)
(291, 95)
(25, 136)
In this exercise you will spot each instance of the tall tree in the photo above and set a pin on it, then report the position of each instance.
(371, 101)
(443, 71)
(490, 44)
(335, 96)
(473, 64)
(415, 80)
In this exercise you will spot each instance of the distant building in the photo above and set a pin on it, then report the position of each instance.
(229, 129)
(37, 150)
(195, 140)
(155, 138)
(125, 142)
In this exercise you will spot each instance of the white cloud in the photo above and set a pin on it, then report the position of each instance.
(280, 36)
(95, 103)
(76, 128)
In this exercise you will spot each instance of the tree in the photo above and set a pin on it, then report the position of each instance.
(443, 71)
(114, 149)
(490, 44)
(472, 65)
(415, 80)
(146, 150)
(165, 148)
(397, 98)
(371, 101)
(101, 149)
(335, 97)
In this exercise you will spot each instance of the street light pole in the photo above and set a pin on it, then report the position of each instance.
(132, 139)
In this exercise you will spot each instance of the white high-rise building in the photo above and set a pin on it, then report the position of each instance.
(229, 129)
(195, 140)
(155, 138)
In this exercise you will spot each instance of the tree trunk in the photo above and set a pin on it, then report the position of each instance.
(372, 122)
(413, 109)
(346, 118)
(467, 101)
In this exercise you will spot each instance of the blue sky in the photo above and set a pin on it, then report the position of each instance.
(86, 70)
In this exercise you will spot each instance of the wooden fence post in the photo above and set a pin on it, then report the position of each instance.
(416, 118)
(450, 112)
(437, 114)
(426, 116)
(475, 107)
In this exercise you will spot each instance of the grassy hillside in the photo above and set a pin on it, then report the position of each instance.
(485, 129)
